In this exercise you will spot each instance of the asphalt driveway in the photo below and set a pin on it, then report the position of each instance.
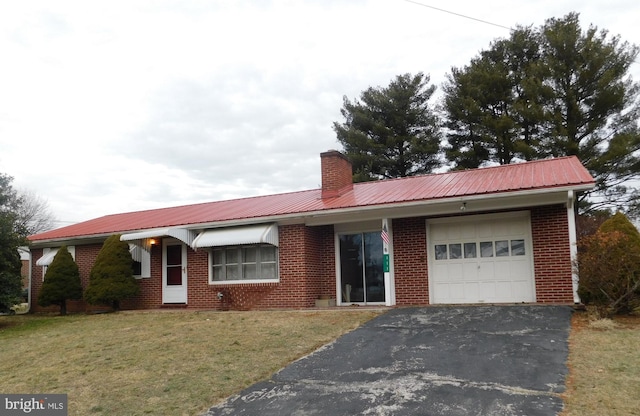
(471, 360)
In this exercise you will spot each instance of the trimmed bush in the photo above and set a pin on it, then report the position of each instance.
(609, 267)
(61, 282)
(111, 279)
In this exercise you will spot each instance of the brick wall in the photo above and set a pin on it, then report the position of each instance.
(551, 254)
(410, 261)
(307, 271)
(306, 267)
(337, 173)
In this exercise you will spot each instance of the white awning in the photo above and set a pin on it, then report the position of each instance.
(136, 252)
(47, 258)
(182, 234)
(254, 234)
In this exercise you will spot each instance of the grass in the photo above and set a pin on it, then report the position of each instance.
(181, 363)
(604, 367)
(158, 363)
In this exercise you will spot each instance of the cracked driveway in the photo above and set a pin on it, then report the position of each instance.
(470, 360)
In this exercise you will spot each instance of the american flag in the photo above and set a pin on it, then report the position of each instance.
(385, 234)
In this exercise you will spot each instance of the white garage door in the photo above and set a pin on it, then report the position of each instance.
(481, 259)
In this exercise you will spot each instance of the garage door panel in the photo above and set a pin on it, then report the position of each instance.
(487, 292)
(454, 272)
(471, 290)
(440, 273)
(441, 292)
(502, 268)
(519, 268)
(484, 230)
(468, 231)
(439, 233)
(500, 229)
(504, 291)
(486, 271)
(470, 272)
(495, 264)
(517, 228)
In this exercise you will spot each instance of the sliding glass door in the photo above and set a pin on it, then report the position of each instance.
(361, 274)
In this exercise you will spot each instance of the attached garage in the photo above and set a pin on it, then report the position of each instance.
(481, 259)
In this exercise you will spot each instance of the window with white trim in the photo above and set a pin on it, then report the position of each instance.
(251, 263)
(141, 261)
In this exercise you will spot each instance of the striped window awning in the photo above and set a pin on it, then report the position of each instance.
(47, 258)
(234, 236)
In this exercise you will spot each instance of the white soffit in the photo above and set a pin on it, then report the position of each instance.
(254, 234)
(182, 234)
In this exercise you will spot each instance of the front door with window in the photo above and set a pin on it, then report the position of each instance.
(174, 273)
(361, 271)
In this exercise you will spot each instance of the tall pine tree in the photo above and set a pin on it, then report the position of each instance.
(10, 239)
(551, 91)
(391, 132)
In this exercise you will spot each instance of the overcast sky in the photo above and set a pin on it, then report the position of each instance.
(115, 106)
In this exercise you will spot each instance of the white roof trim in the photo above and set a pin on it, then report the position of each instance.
(182, 234)
(47, 258)
(255, 234)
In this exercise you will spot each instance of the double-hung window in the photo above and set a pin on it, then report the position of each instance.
(250, 263)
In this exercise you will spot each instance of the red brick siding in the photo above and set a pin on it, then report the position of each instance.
(410, 261)
(551, 254)
(306, 267)
(337, 173)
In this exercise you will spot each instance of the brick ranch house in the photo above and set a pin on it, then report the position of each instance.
(502, 234)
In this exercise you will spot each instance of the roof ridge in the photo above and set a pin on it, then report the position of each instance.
(450, 172)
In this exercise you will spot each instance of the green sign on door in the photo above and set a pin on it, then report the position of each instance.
(385, 263)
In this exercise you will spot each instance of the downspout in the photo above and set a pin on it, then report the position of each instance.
(29, 286)
(573, 244)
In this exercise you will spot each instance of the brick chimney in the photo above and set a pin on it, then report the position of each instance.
(337, 174)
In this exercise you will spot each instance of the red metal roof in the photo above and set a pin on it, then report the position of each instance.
(542, 174)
